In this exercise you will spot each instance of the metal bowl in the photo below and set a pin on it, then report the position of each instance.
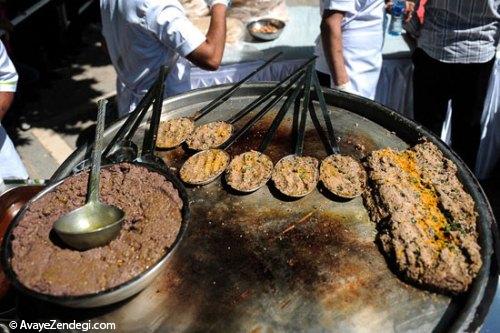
(108, 296)
(254, 29)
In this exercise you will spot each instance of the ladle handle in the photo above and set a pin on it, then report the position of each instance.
(334, 147)
(93, 184)
(303, 115)
(271, 132)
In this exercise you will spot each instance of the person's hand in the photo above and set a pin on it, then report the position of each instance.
(388, 6)
(212, 3)
(409, 8)
(346, 87)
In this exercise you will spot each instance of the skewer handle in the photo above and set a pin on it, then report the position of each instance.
(252, 106)
(333, 146)
(271, 132)
(299, 148)
(261, 114)
(222, 98)
(150, 138)
(134, 118)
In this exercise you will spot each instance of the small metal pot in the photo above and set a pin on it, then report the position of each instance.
(112, 295)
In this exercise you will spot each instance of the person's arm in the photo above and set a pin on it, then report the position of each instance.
(331, 37)
(209, 54)
(413, 25)
(169, 23)
(8, 81)
(6, 99)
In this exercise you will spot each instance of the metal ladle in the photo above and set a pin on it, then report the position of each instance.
(216, 103)
(299, 145)
(94, 224)
(237, 135)
(269, 137)
(256, 103)
(332, 147)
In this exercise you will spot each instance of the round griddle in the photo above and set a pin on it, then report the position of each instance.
(260, 262)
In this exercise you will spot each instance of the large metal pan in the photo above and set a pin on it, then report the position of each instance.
(257, 263)
(112, 295)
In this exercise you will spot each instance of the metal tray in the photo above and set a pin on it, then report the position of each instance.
(261, 263)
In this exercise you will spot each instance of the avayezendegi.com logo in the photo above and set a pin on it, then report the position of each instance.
(7, 326)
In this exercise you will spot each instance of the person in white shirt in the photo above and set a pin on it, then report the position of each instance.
(11, 166)
(143, 35)
(349, 48)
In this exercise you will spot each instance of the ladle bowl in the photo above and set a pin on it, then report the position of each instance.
(94, 224)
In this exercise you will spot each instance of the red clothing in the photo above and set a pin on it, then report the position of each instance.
(421, 11)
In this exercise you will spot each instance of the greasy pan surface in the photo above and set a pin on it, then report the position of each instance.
(102, 297)
(258, 262)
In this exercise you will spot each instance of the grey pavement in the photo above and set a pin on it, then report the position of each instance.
(64, 110)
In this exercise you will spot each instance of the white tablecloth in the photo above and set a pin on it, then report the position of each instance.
(395, 84)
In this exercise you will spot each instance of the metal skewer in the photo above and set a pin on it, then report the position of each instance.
(247, 109)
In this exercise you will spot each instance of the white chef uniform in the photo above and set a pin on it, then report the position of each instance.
(11, 166)
(362, 37)
(142, 36)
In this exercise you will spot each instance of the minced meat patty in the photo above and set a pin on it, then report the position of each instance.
(426, 220)
(296, 176)
(249, 171)
(173, 132)
(210, 135)
(152, 221)
(342, 175)
(203, 166)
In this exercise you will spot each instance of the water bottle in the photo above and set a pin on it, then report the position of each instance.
(398, 10)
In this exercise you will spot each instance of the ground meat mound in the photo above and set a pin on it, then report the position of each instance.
(152, 221)
(210, 135)
(203, 166)
(296, 176)
(342, 175)
(172, 133)
(249, 171)
(426, 220)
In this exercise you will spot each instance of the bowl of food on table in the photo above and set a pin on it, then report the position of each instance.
(266, 29)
